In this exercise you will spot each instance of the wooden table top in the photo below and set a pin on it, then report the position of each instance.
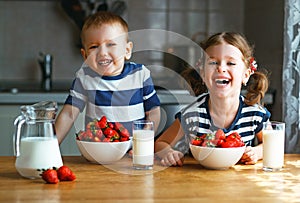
(190, 183)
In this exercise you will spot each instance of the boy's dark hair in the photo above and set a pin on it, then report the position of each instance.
(103, 17)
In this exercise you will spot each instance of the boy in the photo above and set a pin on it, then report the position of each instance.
(106, 85)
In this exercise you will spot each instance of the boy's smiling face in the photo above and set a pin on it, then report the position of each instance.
(105, 49)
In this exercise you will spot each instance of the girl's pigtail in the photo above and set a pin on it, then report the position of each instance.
(257, 86)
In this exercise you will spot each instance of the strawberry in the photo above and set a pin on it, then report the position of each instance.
(125, 133)
(197, 141)
(118, 126)
(99, 130)
(96, 139)
(122, 130)
(50, 176)
(123, 139)
(106, 139)
(99, 133)
(88, 135)
(108, 132)
(102, 123)
(110, 125)
(111, 133)
(64, 173)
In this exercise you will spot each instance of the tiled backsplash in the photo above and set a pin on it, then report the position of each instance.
(29, 27)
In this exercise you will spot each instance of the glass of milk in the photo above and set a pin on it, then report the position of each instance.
(143, 144)
(273, 145)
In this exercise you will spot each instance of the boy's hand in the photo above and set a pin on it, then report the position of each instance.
(173, 158)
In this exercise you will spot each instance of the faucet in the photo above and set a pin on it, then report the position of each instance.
(45, 62)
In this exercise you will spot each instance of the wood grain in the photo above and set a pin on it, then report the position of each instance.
(192, 183)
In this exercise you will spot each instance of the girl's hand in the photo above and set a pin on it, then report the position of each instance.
(173, 158)
(250, 156)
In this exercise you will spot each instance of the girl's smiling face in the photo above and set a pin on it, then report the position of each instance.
(224, 70)
(106, 48)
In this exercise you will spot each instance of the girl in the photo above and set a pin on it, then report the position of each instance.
(227, 65)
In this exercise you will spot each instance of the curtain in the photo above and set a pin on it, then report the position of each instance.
(291, 76)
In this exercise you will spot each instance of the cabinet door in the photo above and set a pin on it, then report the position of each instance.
(7, 117)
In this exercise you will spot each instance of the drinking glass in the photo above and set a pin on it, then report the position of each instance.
(273, 145)
(143, 144)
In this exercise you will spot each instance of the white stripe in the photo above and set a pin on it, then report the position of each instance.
(116, 113)
(149, 95)
(253, 108)
(249, 119)
(247, 129)
(78, 95)
(248, 138)
(196, 119)
(131, 81)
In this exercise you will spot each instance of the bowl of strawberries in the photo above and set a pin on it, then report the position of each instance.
(103, 142)
(216, 150)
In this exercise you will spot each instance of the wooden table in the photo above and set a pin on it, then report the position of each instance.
(190, 183)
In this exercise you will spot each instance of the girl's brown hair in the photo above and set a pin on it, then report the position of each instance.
(258, 82)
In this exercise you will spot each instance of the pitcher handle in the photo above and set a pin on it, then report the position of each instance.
(18, 122)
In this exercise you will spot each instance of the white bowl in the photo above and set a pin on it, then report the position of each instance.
(103, 152)
(217, 158)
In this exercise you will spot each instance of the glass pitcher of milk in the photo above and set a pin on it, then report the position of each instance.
(35, 144)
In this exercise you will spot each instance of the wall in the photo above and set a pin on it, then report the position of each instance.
(29, 27)
(264, 23)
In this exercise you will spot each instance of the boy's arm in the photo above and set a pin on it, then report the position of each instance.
(154, 115)
(65, 121)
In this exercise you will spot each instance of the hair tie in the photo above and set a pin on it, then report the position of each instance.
(253, 65)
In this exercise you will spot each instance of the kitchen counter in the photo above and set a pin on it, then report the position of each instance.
(166, 97)
(29, 92)
(190, 183)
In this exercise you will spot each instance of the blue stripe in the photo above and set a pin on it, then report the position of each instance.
(115, 98)
(151, 102)
(75, 102)
(77, 85)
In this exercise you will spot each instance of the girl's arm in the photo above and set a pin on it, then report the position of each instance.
(163, 145)
(65, 121)
(253, 154)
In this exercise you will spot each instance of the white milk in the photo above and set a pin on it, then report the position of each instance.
(143, 147)
(273, 149)
(37, 153)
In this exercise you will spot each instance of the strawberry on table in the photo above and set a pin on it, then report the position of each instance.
(64, 173)
(50, 176)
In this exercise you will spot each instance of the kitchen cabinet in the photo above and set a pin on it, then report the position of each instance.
(7, 117)
(171, 102)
